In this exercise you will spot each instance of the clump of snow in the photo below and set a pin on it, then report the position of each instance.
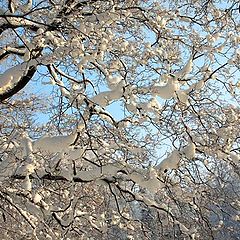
(113, 81)
(171, 162)
(182, 96)
(75, 153)
(152, 184)
(235, 158)
(200, 84)
(105, 98)
(152, 106)
(37, 198)
(11, 76)
(190, 150)
(26, 184)
(167, 91)
(27, 145)
(30, 168)
(53, 144)
(98, 172)
(185, 70)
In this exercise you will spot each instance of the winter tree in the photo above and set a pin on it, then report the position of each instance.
(119, 119)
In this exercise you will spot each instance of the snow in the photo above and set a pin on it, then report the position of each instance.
(171, 162)
(152, 106)
(185, 70)
(34, 209)
(235, 158)
(48, 237)
(199, 85)
(182, 96)
(30, 168)
(80, 213)
(131, 105)
(54, 144)
(183, 228)
(11, 76)
(26, 168)
(7, 168)
(67, 173)
(59, 82)
(152, 184)
(27, 7)
(167, 91)
(27, 145)
(26, 184)
(108, 170)
(190, 150)
(105, 98)
(75, 153)
(20, 21)
(37, 198)
(101, 99)
(11, 49)
(154, 103)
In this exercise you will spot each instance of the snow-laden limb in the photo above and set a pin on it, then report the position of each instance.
(19, 21)
(4, 52)
(199, 85)
(167, 91)
(87, 40)
(54, 144)
(152, 184)
(182, 227)
(56, 80)
(98, 172)
(75, 153)
(152, 106)
(27, 6)
(105, 115)
(105, 98)
(13, 75)
(27, 145)
(171, 162)
(149, 201)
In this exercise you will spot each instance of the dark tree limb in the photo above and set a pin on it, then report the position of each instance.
(51, 178)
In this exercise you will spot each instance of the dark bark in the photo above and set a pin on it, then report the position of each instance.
(51, 178)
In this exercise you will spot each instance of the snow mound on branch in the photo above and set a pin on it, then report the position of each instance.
(37, 198)
(103, 99)
(26, 184)
(167, 91)
(54, 144)
(235, 158)
(75, 153)
(113, 82)
(152, 184)
(171, 162)
(13, 75)
(98, 172)
(190, 150)
(182, 96)
(185, 70)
